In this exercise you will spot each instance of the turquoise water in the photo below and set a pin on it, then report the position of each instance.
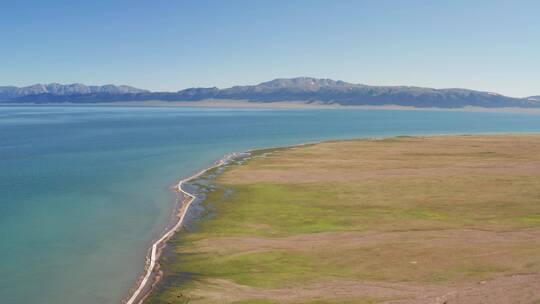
(84, 190)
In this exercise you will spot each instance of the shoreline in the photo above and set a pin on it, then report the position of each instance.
(151, 274)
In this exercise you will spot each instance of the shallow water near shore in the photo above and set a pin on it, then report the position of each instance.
(84, 191)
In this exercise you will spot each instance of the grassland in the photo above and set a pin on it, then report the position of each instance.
(450, 219)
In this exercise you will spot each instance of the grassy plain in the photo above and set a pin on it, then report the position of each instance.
(449, 219)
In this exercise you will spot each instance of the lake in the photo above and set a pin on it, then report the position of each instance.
(84, 191)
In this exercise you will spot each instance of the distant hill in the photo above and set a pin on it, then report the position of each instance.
(305, 89)
(11, 93)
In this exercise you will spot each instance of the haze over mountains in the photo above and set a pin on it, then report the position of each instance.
(304, 89)
(12, 92)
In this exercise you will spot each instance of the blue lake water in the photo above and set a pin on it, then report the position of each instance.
(85, 190)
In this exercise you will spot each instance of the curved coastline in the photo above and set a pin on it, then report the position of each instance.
(138, 295)
(207, 251)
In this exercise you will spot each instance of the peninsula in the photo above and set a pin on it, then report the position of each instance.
(445, 219)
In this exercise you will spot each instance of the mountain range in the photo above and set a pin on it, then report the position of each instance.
(303, 89)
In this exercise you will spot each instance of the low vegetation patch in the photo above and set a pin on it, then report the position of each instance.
(366, 221)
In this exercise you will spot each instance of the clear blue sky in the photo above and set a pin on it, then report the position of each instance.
(170, 45)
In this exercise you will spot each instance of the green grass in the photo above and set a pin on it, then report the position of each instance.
(282, 210)
(261, 269)
(412, 203)
(530, 220)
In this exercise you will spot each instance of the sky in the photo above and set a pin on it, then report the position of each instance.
(170, 45)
